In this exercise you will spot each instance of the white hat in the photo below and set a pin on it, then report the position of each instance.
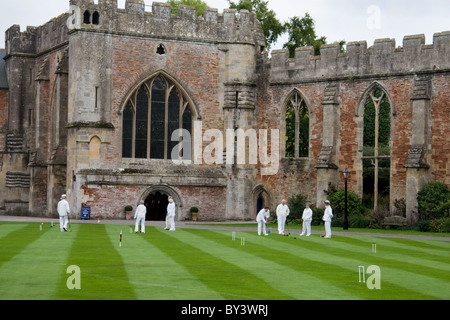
(63, 196)
(326, 201)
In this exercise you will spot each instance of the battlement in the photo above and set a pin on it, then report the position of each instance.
(134, 20)
(160, 22)
(35, 40)
(359, 60)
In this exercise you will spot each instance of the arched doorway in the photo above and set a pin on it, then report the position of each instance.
(261, 199)
(156, 199)
(156, 204)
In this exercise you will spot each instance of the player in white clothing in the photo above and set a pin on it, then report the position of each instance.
(282, 213)
(140, 214)
(307, 218)
(328, 214)
(63, 211)
(262, 219)
(171, 214)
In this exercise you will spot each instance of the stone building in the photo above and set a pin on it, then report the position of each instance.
(93, 103)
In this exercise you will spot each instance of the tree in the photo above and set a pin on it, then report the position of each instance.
(302, 33)
(199, 4)
(272, 27)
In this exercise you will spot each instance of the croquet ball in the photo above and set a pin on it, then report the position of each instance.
(295, 237)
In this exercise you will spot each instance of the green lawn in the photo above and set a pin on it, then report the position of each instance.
(193, 264)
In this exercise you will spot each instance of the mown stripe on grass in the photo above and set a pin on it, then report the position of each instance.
(418, 271)
(281, 271)
(36, 259)
(396, 283)
(425, 264)
(231, 281)
(153, 274)
(103, 274)
(15, 237)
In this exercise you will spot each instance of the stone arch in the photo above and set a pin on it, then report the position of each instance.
(194, 109)
(363, 100)
(359, 119)
(284, 109)
(260, 192)
(165, 190)
(139, 119)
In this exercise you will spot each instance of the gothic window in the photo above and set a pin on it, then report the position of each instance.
(96, 18)
(87, 17)
(156, 109)
(376, 149)
(297, 127)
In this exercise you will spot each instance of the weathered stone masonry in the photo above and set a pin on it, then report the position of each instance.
(69, 81)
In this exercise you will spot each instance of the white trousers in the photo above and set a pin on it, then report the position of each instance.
(171, 222)
(140, 221)
(281, 224)
(327, 229)
(63, 221)
(261, 225)
(306, 228)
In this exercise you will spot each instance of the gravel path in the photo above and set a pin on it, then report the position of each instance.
(207, 226)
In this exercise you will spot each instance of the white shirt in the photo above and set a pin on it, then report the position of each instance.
(171, 209)
(63, 208)
(328, 214)
(307, 214)
(263, 216)
(140, 211)
(282, 210)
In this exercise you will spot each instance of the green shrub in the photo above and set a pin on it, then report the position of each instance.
(424, 225)
(317, 216)
(296, 204)
(359, 221)
(440, 225)
(337, 200)
(430, 199)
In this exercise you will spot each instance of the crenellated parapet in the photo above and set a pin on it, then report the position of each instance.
(135, 20)
(35, 40)
(383, 58)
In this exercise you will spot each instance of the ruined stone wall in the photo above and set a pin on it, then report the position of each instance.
(3, 132)
(36, 108)
(72, 76)
(414, 76)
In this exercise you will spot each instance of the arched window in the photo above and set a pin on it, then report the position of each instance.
(297, 127)
(155, 110)
(377, 146)
(87, 17)
(96, 18)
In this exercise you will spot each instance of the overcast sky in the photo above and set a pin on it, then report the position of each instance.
(349, 20)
